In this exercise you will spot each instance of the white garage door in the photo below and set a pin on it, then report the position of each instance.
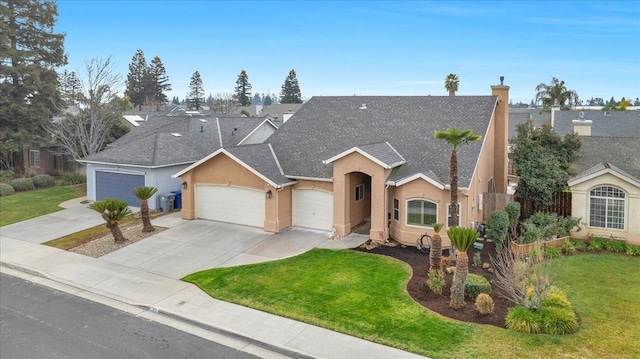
(313, 209)
(230, 204)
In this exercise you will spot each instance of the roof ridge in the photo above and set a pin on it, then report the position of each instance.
(155, 149)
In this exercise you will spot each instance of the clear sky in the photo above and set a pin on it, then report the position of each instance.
(368, 47)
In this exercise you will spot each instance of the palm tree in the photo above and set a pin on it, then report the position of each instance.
(455, 137)
(451, 83)
(143, 194)
(462, 238)
(112, 211)
(555, 93)
(436, 247)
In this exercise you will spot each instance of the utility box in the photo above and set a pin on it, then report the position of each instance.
(177, 203)
(166, 201)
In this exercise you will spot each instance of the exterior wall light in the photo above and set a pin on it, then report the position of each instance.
(184, 185)
(269, 194)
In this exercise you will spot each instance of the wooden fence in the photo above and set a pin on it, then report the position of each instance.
(561, 206)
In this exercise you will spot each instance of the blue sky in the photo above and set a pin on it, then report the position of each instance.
(368, 48)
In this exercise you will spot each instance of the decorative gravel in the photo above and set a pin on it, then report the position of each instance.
(104, 245)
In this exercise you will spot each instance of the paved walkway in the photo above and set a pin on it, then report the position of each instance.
(146, 275)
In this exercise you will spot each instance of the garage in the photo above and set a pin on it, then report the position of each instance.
(118, 185)
(230, 204)
(313, 209)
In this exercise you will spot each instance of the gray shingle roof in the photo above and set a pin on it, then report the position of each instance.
(327, 126)
(620, 152)
(385, 153)
(605, 123)
(261, 158)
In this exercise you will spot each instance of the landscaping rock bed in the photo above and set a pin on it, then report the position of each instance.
(105, 245)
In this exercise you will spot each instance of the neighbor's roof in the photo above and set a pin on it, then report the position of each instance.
(605, 123)
(620, 153)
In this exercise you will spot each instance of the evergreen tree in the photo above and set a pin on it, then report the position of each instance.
(257, 100)
(159, 82)
(138, 80)
(195, 98)
(636, 102)
(267, 100)
(29, 94)
(290, 92)
(70, 88)
(243, 89)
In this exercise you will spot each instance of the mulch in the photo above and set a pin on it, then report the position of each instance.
(420, 292)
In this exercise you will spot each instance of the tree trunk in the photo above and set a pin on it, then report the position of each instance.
(116, 232)
(453, 206)
(459, 278)
(435, 254)
(144, 213)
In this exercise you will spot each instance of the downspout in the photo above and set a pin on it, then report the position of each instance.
(277, 210)
(386, 206)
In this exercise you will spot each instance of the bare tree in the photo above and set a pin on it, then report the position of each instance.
(224, 102)
(85, 131)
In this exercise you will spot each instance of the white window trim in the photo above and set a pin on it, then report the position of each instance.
(361, 187)
(34, 153)
(459, 215)
(396, 209)
(626, 209)
(406, 209)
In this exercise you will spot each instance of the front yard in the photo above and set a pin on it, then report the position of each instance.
(364, 295)
(26, 205)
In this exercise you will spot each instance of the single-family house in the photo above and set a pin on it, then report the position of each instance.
(342, 161)
(157, 148)
(279, 112)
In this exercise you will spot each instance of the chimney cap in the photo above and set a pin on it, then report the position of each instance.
(501, 80)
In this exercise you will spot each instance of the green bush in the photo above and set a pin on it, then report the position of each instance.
(477, 260)
(580, 246)
(542, 225)
(523, 320)
(551, 253)
(436, 280)
(6, 176)
(6, 190)
(568, 247)
(597, 244)
(22, 184)
(555, 297)
(513, 211)
(484, 304)
(476, 284)
(73, 178)
(497, 227)
(43, 181)
(558, 321)
(616, 246)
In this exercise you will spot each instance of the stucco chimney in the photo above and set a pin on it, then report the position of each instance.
(582, 127)
(501, 137)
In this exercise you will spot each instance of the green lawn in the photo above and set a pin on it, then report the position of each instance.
(363, 295)
(25, 205)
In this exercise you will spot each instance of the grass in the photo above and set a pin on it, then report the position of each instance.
(363, 295)
(25, 205)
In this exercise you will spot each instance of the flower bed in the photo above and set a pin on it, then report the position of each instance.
(527, 247)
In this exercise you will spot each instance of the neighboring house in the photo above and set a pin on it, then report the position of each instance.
(603, 123)
(160, 146)
(279, 112)
(343, 161)
(48, 160)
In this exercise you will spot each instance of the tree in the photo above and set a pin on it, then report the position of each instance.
(143, 194)
(159, 82)
(243, 89)
(455, 137)
(636, 102)
(290, 92)
(223, 102)
(98, 119)
(555, 93)
(138, 80)
(267, 100)
(462, 239)
(112, 211)
(256, 100)
(195, 98)
(435, 252)
(542, 160)
(70, 88)
(623, 104)
(451, 83)
(30, 52)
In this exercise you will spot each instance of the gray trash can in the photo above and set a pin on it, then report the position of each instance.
(166, 201)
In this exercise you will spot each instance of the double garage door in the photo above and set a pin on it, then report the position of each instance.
(313, 209)
(118, 185)
(230, 204)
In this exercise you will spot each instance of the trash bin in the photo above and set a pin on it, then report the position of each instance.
(177, 203)
(166, 201)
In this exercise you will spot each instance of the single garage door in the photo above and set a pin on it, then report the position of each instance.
(230, 204)
(313, 209)
(118, 185)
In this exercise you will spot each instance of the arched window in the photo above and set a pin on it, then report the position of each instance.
(421, 212)
(607, 207)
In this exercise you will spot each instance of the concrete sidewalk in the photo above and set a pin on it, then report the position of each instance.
(133, 285)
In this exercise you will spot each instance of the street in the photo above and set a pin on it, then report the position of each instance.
(40, 322)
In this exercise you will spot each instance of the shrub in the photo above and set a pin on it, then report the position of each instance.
(6, 190)
(43, 181)
(484, 304)
(597, 244)
(633, 251)
(616, 246)
(555, 297)
(580, 246)
(513, 211)
(6, 176)
(22, 184)
(523, 320)
(476, 284)
(497, 227)
(445, 262)
(542, 225)
(436, 280)
(477, 261)
(568, 247)
(551, 252)
(73, 178)
(558, 321)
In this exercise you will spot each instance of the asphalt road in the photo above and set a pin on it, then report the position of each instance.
(40, 322)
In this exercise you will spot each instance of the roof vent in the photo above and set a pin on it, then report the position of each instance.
(203, 120)
(581, 114)
(175, 134)
(363, 107)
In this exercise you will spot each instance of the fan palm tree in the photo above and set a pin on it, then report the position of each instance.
(112, 211)
(555, 93)
(143, 194)
(451, 83)
(455, 137)
(462, 238)
(435, 254)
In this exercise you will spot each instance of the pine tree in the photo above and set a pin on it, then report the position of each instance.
(29, 91)
(257, 100)
(267, 100)
(70, 88)
(290, 92)
(159, 82)
(138, 80)
(195, 98)
(243, 89)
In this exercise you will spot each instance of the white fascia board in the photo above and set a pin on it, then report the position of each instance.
(197, 164)
(417, 176)
(403, 161)
(303, 178)
(256, 129)
(219, 132)
(358, 150)
(275, 158)
(132, 165)
(602, 172)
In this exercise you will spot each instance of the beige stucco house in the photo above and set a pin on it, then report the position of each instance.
(342, 161)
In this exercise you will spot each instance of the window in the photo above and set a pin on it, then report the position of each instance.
(396, 209)
(359, 192)
(34, 158)
(606, 207)
(449, 215)
(421, 213)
